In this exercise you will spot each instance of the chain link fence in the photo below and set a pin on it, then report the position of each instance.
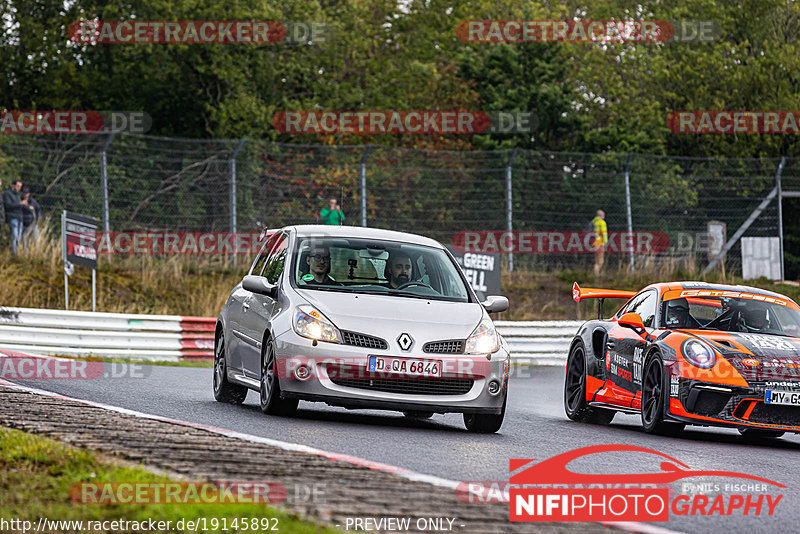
(166, 184)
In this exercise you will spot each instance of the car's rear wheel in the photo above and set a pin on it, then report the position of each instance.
(575, 392)
(760, 433)
(270, 386)
(224, 391)
(653, 396)
(480, 423)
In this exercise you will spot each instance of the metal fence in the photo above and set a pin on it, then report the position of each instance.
(135, 182)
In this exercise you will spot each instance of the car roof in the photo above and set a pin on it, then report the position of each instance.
(324, 230)
(666, 286)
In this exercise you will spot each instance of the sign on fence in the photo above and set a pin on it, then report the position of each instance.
(78, 247)
(482, 271)
(761, 256)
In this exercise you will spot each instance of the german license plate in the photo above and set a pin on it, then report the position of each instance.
(792, 398)
(405, 366)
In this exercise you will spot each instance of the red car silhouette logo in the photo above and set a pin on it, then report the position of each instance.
(554, 470)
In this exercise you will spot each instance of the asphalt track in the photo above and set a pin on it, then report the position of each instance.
(535, 427)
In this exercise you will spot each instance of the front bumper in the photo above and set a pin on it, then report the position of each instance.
(703, 403)
(338, 375)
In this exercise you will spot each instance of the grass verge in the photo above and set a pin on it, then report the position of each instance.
(36, 474)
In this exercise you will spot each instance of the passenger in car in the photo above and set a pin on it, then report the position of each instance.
(319, 265)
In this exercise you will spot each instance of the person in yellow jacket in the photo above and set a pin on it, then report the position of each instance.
(600, 240)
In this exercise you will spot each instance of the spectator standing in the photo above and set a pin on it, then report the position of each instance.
(332, 213)
(31, 213)
(2, 209)
(13, 205)
(600, 240)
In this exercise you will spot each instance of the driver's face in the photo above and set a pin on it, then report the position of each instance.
(676, 317)
(319, 261)
(400, 269)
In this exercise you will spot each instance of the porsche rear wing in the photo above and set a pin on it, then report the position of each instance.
(579, 293)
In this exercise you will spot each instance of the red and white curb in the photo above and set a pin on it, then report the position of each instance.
(642, 528)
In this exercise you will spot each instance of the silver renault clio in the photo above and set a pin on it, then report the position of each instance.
(361, 318)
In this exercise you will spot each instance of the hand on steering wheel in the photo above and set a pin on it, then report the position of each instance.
(414, 283)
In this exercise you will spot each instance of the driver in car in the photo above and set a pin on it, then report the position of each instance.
(399, 269)
(319, 265)
(753, 319)
(678, 315)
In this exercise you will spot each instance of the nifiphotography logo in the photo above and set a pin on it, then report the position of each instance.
(549, 491)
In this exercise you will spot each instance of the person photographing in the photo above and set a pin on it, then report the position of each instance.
(332, 213)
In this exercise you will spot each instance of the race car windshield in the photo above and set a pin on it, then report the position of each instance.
(371, 266)
(731, 315)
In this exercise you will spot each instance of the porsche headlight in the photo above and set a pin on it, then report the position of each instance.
(699, 354)
(484, 339)
(309, 322)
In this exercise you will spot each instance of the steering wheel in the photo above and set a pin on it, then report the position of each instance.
(414, 283)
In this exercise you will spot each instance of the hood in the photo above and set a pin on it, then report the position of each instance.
(388, 317)
(757, 356)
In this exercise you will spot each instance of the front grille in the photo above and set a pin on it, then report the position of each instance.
(413, 386)
(775, 414)
(363, 340)
(453, 346)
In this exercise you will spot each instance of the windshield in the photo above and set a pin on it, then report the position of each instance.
(731, 315)
(377, 267)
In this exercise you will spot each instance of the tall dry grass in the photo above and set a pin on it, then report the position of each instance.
(181, 285)
(199, 285)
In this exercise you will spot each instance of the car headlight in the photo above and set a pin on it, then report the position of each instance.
(484, 339)
(699, 354)
(309, 322)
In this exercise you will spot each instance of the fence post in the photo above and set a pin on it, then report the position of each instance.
(628, 201)
(104, 182)
(509, 205)
(363, 178)
(780, 210)
(232, 197)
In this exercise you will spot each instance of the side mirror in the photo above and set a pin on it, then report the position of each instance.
(632, 320)
(260, 285)
(495, 304)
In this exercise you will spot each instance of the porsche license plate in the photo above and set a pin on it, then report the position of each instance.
(791, 398)
(405, 366)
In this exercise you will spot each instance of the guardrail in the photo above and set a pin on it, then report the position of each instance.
(538, 342)
(76, 333)
(173, 337)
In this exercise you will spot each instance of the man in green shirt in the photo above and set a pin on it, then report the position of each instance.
(332, 213)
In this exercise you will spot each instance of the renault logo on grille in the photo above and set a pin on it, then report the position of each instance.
(405, 341)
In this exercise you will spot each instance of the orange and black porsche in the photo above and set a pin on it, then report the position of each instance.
(689, 353)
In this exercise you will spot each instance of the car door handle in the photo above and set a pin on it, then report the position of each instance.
(245, 306)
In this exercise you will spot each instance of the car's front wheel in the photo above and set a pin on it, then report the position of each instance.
(575, 392)
(485, 423)
(224, 391)
(653, 395)
(270, 390)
